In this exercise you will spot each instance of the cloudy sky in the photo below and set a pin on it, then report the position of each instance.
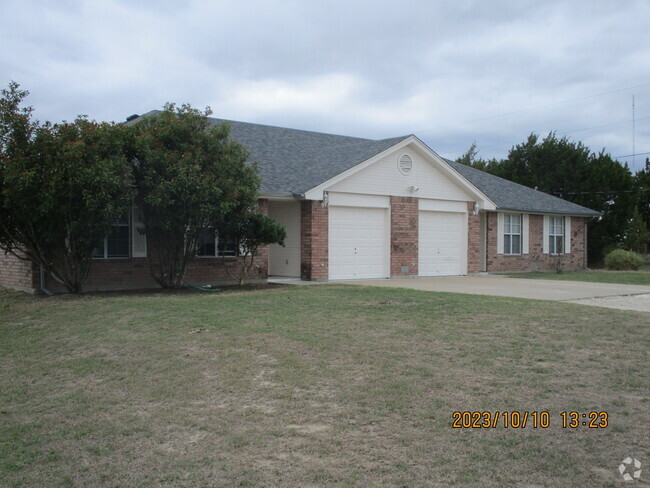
(451, 72)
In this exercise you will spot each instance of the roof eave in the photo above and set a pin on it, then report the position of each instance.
(281, 196)
(550, 212)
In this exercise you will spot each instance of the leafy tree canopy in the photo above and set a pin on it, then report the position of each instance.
(190, 176)
(570, 170)
(252, 230)
(61, 187)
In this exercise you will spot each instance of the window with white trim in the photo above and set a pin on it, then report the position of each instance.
(117, 243)
(511, 234)
(210, 246)
(556, 235)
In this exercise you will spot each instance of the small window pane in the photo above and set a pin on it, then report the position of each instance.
(227, 247)
(117, 242)
(556, 235)
(516, 244)
(512, 234)
(207, 244)
(551, 245)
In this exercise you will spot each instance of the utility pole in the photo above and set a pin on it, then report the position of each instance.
(633, 138)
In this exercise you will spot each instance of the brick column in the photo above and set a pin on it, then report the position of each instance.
(404, 236)
(473, 240)
(314, 241)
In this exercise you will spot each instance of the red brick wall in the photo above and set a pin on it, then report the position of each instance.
(473, 240)
(536, 260)
(18, 274)
(133, 273)
(314, 245)
(404, 217)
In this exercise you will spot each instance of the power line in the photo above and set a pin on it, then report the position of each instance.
(630, 155)
(483, 146)
(600, 192)
(587, 97)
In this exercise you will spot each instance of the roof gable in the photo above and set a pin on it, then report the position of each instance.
(430, 176)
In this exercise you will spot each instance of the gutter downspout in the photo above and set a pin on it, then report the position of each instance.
(43, 288)
(585, 246)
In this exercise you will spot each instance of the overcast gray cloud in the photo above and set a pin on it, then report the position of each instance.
(450, 72)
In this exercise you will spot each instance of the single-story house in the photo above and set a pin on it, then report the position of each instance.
(358, 208)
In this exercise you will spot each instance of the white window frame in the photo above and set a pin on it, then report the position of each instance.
(104, 245)
(554, 235)
(508, 232)
(218, 253)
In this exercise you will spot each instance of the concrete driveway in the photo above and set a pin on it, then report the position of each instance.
(627, 297)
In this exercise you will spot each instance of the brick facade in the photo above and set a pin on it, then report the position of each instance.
(119, 274)
(18, 274)
(404, 218)
(536, 260)
(473, 240)
(314, 241)
(134, 273)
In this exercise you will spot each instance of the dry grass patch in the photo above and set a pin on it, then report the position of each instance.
(314, 386)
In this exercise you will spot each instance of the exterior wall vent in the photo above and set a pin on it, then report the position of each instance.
(405, 164)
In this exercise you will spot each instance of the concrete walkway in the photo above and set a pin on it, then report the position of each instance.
(624, 297)
(628, 297)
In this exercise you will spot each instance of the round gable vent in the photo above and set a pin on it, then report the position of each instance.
(405, 164)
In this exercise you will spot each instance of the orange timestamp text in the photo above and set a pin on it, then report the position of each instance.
(525, 418)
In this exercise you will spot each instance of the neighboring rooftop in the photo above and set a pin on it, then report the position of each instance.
(293, 161)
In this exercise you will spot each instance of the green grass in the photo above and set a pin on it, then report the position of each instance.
(641, 277)
(327, 385)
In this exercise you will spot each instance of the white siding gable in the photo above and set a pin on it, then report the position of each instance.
(384, 178)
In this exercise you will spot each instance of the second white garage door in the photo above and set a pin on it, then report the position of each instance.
(358, 243)
(441, 244)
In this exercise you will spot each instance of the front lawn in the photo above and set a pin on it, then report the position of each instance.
(326, 385)
(641, 277)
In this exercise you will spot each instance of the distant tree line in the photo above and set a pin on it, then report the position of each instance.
(63, 186)
(570, 170)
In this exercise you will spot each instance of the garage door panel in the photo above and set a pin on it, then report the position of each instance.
(357, 243)
(441, 243)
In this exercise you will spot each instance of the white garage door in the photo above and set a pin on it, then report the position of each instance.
(358, 245)
(441, 244)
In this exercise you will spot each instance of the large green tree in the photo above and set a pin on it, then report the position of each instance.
(570, 170)
(190, 176)
(61, 188)
(643, 195)
(251, 231)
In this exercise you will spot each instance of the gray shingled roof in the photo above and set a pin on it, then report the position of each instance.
(292, 162)
(513, 196)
